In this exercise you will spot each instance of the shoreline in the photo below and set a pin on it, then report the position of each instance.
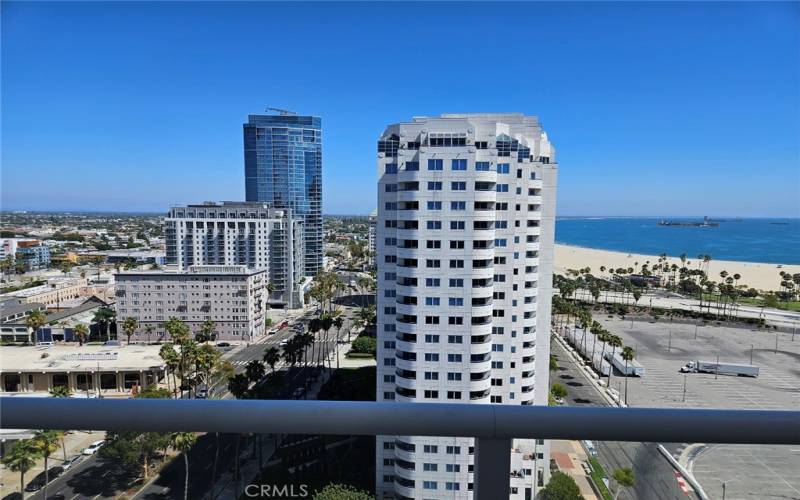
(758, 275)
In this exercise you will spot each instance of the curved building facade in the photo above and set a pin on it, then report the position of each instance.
(464, 240)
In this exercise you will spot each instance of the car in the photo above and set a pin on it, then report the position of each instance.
(38, 482)
(112, 343)
(283, 343)
(92, 448)
(71, 462)
(202, 393)
(223, 344)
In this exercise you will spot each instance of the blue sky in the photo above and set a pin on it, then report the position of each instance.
(655, 109)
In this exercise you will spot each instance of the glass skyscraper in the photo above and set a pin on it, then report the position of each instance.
(283, 167)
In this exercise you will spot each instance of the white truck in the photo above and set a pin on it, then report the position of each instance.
(633, 368)
(739, 369)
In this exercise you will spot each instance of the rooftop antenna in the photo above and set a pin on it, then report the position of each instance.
(282, 112)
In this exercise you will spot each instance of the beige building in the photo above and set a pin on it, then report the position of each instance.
(233, 297)
(52, 293)
(91, 369)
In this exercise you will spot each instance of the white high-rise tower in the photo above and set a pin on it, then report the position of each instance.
(466, 212)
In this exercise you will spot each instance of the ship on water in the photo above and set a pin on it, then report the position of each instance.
(674, 223)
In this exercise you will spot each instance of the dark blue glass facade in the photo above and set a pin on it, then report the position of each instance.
(283, 167)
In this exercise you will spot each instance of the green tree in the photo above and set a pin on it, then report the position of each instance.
(238, 385)
(341, 492)
(553, 363)
(21, 458)
(34, 321)
(365, 345)
(148, 329)
(82, 332)
(103, 318)
(254, 370)
(183, 442)
(207, 332)
(624, 478)
(46, 443)
(558, 391)
(129, 326)
(560, 487)
(171, 361)
(60, 391)
(271, 357)
(627, 354)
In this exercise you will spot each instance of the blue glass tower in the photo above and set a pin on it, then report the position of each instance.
(283, 167)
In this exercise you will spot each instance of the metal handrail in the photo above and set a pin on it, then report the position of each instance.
(412, 419)
(492, 426)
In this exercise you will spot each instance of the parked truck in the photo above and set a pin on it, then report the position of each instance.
(630, 369)
(739, 369)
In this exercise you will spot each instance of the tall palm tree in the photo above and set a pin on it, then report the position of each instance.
(129, 326)
(183, 442)
(271, 357)
(46, 442)
(34, 321)
(207, 331)
(254, 370)
(103, 318)
(171, 360)
(82, 332)
(148, 329)
(21, 458)
(627, 354)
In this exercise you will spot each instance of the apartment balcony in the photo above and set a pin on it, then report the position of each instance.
(492, 426)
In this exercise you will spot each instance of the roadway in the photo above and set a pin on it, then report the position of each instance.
(655, 477)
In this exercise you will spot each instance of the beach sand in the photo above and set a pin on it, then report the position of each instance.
(755, 275)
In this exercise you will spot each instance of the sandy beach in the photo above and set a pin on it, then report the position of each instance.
(756, 275)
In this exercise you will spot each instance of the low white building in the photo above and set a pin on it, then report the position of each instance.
(233, 297)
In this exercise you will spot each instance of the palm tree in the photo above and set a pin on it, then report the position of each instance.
(624, 478)
(171, 360)
(148, 329)
(82, 332)
(627, 354)
(103, 318)
(21, 458)
(129, 326)
(271, 357)
(183, 442)
(614, 341)
(238, 385)
(254, 370)
(207, 331)
(46, 442)
(34, 321)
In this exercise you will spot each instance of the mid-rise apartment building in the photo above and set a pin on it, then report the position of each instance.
(241, 233)
(233, 297)
(464, 238)
(283, 167)
(33, 254)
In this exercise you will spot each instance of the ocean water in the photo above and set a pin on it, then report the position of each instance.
(774, 241)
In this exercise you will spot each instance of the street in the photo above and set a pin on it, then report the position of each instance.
(655, 478)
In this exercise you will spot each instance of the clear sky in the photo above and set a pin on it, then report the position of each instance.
(655, 109)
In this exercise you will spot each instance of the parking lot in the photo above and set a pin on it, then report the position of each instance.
(749, 472)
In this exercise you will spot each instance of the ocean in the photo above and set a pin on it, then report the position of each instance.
(774, 241)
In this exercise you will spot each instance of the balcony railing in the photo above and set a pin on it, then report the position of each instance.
(492, 426)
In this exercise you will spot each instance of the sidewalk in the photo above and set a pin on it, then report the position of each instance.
(74, 442)
(571, 459)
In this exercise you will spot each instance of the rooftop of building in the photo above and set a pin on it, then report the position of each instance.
(193, 270)
(75, 358)
(12, 308)
(84, 306)
(52, 284)
(285, 119)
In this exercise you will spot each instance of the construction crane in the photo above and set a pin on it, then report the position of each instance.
(282, 112)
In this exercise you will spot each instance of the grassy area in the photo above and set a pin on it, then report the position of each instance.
(32, 284)
(791, 305)
(597, 476)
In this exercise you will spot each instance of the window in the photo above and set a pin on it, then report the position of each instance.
(431, 394)
(454, 358)
(458, 186)
(456, 282)
(430, 467)
(455, 301)
(412, 166)
(431, 301)
(388, 395)
(435, 164)
(455, 339)
(453, 450)
(429, 485)
(391, 188)
(501, 224)
(482, 166)
(433, 244)
(458, 205)
(430, 448)
(431, 356)
(431, 320)
(433, 263)
(434, 224)
(434, 186)
(455, 320)
(453, 468)
(391, 168)
(502, 188)
(457, 224)
(502, 168)
(459, 164)
(431, 375)
(456, 264)
(481, 145)
(434, 205)
(453, 377)
(452, 486)
(456, 244)
(432, 282)
(500, 242)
